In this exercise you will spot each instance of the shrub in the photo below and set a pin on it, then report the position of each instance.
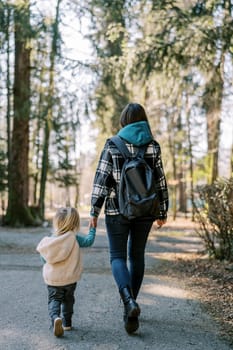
(215, 216)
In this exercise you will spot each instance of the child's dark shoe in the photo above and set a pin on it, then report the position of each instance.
(67, 324)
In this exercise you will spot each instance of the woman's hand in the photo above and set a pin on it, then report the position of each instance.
(93, 221)
(161, 222)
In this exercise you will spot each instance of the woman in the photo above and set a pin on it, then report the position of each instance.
(127, 237)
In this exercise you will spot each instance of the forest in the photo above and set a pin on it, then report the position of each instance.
(69, 67)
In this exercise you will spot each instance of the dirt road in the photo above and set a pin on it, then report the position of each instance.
(171, 318)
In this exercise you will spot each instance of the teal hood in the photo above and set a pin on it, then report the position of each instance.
(138, 133)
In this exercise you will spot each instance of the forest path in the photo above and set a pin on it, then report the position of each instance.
(171, 318)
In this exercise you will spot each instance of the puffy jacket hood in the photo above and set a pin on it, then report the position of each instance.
(56, 249)
(138, 133)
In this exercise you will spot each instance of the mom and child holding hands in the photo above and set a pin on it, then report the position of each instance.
(127, 236)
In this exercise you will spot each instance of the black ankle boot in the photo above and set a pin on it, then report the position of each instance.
(132, 310)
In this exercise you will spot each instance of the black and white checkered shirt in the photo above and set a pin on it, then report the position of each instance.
(108, 173)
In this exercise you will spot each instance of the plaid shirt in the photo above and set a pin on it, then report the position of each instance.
(108, 173)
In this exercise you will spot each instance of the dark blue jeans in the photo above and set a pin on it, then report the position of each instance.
(127, 238)
(61, 301)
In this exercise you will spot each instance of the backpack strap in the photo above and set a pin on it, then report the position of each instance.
(141, 151)
(120, 144)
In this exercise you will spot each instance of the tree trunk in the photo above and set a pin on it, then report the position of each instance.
(36, 144)
(174, 172)
(182, 190)
(8, 112)
(48, 122)
(18, 213)
(212, 103)
(180, 174)
(45, 162)
(231, 170)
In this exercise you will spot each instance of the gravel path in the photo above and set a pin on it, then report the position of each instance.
(171, 318)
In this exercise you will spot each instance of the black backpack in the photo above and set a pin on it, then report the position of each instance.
(137, 191)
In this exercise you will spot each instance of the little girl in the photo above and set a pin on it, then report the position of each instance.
(63, 266)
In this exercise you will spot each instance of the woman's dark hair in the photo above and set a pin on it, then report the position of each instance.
(132, 113)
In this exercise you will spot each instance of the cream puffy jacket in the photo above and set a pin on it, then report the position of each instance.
(63, 259)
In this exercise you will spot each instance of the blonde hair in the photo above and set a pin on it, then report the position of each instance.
(66, 219)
